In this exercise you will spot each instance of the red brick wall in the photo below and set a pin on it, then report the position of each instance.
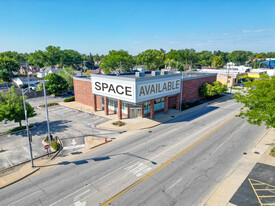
(191, 88)
(190, 91)
(83, 93)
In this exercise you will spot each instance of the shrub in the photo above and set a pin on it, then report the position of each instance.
(17, 129)
(212, 89)
(47, 138)
(69, 99)
(55, 145)
(50, 104)
(118, 123)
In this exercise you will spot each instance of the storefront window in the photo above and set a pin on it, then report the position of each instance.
(159, 104)
(124, 108)
(146, 107)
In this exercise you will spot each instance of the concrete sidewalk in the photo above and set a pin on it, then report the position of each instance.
(223, 193)
(135, 124)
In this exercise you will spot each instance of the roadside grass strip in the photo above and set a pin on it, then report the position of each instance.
(107, 202)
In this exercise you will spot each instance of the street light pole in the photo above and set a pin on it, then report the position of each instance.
(27, 124)
(181, 90)
(46, 106)
(27, 68)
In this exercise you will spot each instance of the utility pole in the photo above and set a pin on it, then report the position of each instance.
(27, 124)
(227, 77)
(120, 67)
(181, 90)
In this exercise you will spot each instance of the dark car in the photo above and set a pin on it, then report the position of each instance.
(71, 92)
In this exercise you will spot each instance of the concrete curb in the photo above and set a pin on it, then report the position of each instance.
(20, 179)
(100, 144)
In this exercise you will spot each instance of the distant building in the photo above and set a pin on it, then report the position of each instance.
(32, 70)
(48, 70)
(20, 81)
(230, 64)
(139, 68)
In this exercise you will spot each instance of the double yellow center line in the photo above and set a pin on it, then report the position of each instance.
(163, 165)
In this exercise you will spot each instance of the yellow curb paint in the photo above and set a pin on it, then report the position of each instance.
(163, 165)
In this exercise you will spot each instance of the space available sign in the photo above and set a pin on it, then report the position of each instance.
(132, 91)
(153, 90)
(123, 90)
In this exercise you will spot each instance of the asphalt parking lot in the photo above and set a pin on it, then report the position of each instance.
(258, 188)
(65, 123)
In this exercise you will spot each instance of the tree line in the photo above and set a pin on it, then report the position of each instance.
(122, 61)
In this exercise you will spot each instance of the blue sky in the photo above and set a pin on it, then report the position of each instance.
(100, 26)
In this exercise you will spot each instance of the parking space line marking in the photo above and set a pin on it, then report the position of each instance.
(256, 182)
(107, 202)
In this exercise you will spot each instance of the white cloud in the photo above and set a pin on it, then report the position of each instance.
(257, 30)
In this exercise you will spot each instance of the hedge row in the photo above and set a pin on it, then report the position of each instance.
(69, 99)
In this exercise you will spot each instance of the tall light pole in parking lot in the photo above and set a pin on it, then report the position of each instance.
(27, 124)
(47, 114)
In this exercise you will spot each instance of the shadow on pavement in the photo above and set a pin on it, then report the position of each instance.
(41, 128)
(85, 161)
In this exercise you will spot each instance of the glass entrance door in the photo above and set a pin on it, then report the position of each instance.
(135, 111)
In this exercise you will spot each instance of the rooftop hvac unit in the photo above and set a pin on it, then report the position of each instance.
(164, 72)
(155, 73)
(140, 74)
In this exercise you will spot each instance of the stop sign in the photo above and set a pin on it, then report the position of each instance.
(47, 146)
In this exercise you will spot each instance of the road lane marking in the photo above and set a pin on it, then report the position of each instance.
(115, 170)
(24, 198)
(164, 164)
(174, 184)
(69, 195)
(83, 193)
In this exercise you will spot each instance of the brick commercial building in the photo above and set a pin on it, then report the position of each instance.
(139, 94)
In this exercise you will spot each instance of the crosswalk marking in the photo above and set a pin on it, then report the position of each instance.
(138, 169)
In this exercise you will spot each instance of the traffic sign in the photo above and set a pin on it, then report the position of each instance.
(47, 146)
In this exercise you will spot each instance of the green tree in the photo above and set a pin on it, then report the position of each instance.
(217, 62)
(18, 57)
(150, 58)
(70, 58)
(68, 76)
(89, 59)
(258, 99)
(116, 59)
(56, 84)
(212, 89)
(12, 108)
(38, 58)
(7, 66)
(239, 57)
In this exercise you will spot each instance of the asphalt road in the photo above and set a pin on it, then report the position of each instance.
(204, 160)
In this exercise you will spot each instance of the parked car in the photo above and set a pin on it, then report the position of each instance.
(71, 92)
